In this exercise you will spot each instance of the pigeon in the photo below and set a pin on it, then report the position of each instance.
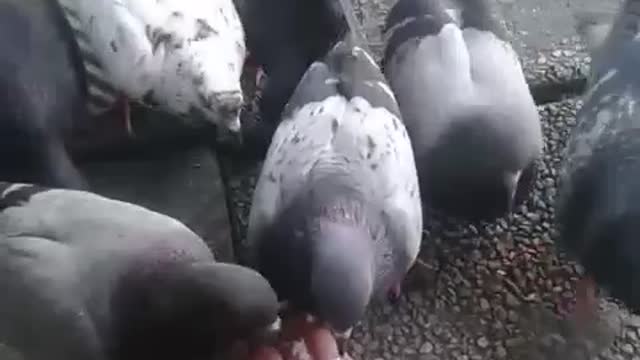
(87, 277)
(181, 56)
(336, 217)
(462, 93)
(40, 98)
(284, 38)
(598, 203)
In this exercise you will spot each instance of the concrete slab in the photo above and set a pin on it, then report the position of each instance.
(185, 184)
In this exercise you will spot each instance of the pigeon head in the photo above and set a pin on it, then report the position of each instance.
(201, 68)
(599, 217)
(475, 171)
(341, 274)
(613, 258)
(190, 311)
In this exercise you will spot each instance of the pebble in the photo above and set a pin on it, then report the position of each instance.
(501, 352)
(484, 304)
(628, 348)
(482, 342)
(511, 300)
(426, 348)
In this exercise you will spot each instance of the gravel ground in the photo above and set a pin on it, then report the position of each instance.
(489, 294)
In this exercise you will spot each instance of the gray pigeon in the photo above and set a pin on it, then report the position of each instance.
(473, 123)
(42, 95)
(84, 277)
(598, 207)
(336, 216)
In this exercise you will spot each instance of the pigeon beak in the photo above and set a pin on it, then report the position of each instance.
(272, 332)
(342, 340)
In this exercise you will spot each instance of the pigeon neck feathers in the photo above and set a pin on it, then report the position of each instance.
(413, 19)
(418, 19)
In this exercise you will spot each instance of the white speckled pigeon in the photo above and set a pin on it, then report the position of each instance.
(336, 216)
(183, 56)
(473, 123)
(598, 206)
(86, 277)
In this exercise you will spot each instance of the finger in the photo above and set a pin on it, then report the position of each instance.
(321, 344)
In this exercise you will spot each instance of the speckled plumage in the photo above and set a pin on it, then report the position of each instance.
(340, 163)
(86, 277)
(473, 123)
(598, 206)
(184, 56)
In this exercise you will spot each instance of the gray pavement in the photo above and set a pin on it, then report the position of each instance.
(185, 184)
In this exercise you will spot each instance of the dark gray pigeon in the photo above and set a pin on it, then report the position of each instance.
(42, 94)
(598, 208)
(86, 277)
(473, 123)
(336, 216)
(284, 38)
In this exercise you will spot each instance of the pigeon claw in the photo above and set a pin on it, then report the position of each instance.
(586, 300)
(584, 308)
(125, 113)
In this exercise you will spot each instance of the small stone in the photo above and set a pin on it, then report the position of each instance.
(484, 304)
(627, 348)
(501, 352)
(482, 342)
(426, 348)
(357, 348)
(500, 313)
(515, 342)
(511, 300)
